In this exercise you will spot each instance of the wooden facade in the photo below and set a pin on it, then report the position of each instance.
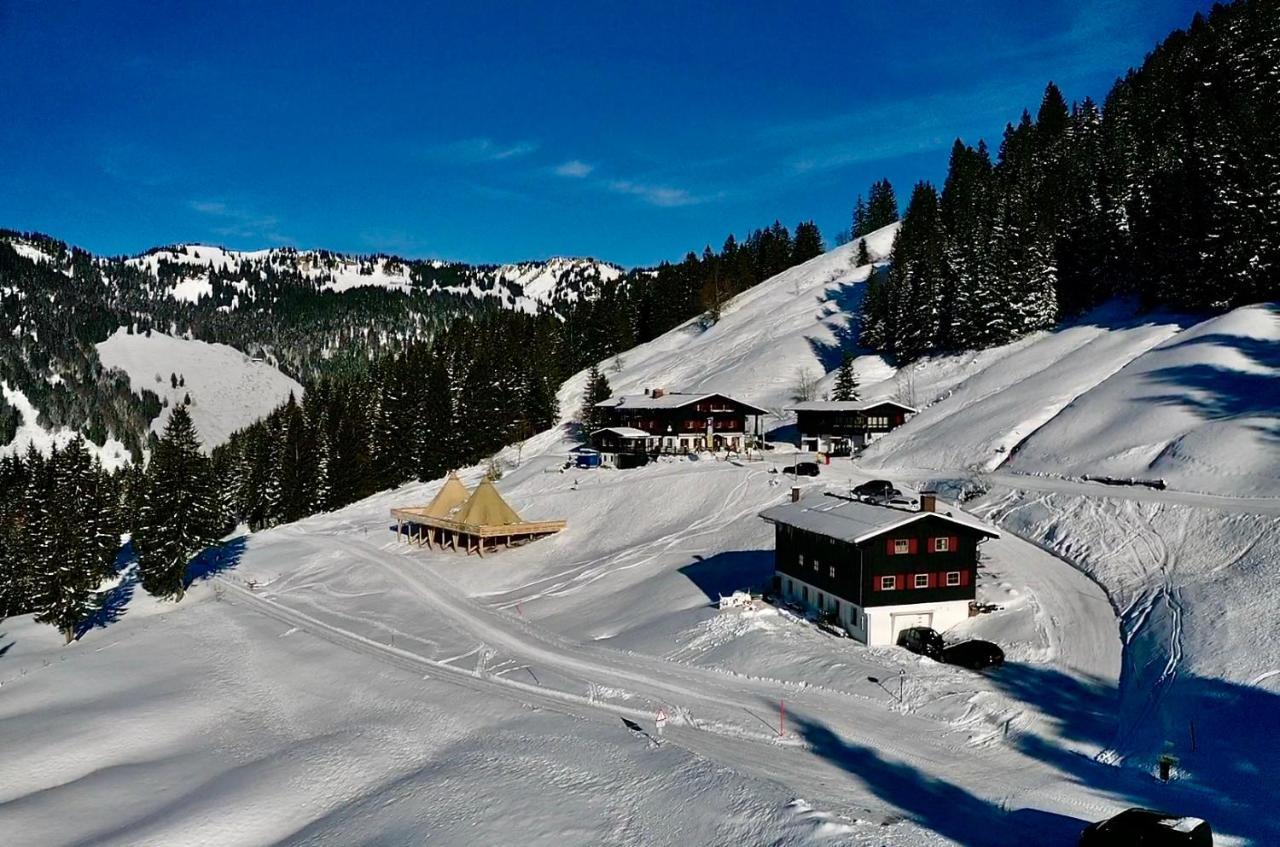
(684, 423)
(876, 569)
(841, 427)
(854, 572)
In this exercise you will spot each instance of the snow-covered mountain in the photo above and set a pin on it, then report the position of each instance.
(186, 271)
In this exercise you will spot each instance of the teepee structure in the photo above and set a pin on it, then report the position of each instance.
(473, 519)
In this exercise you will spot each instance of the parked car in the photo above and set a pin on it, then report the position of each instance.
(802, 469)
(922, 640)
(976, 655)
(879, 489)
(1147, 828)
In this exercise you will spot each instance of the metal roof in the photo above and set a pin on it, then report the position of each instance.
(669, 400)
(846, 406)
(854, 521)
(623, 431)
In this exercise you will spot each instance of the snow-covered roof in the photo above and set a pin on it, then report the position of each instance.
(623, 431)
(669, 400)
(854, 521)
(846, 405)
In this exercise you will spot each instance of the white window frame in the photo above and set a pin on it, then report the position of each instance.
(916, 581)
(942, 544)
(831, 571)
(800, 559)
(953, 579)
(888, 583)
(817, 565)
(901, 546)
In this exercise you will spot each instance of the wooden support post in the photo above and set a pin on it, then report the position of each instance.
(480, 546)
(399, 532)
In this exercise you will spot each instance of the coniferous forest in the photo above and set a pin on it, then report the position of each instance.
(1169, 192)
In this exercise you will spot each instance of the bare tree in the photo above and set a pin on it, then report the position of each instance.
(805, 387)
(905, 387)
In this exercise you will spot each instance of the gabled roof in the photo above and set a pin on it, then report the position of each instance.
(450, 496)
(623, 431)
(485, 507)
(846, 406)
(670, 400)
(854, 522)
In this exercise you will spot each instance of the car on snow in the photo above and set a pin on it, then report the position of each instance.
(1147, 828)
(801, 469)
(974, 654)
(922, 640)
(880, 489)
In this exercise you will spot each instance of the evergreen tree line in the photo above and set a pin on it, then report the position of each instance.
(1170, 193)
(416, 414)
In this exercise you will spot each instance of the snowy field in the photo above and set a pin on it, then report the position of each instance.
(228, 390)
(326, 684)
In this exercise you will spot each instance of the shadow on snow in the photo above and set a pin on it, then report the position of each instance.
(724, 573)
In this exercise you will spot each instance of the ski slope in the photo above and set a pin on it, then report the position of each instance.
(228, 390)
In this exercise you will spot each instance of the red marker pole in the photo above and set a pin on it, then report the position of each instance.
(782, 716)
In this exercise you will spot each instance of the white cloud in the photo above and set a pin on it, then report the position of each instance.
(574, 168)
(235, 222)
(655, 195)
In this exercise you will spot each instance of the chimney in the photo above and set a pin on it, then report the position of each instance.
(795, 494)
(658, 392)
(646, 392)
(928, 501)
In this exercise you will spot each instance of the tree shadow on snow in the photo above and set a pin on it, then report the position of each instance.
(724, 573)
(841, 310)
(1225, 736)
(5, 648)
(1223, 393)
(114, 602)
(936, 804)
(215, 560)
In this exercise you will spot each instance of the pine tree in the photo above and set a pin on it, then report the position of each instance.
(179, 517)
(882, 207)
(860, 227)
(80, 546)
(864, 256)
(808, 243)
(597, 390)
(846, 387)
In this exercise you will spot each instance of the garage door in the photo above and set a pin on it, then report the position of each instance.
(901, 622)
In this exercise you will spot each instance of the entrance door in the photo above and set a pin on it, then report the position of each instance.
(906, 621)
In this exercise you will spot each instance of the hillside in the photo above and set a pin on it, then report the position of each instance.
(1112, 610)
(227, 390)
(299, 314)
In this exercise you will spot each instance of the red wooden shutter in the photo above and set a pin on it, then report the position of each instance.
(889, 546)
(953, 543)
(933, 580)
(913, 546)
(902, 580)
(964, 577)
(875, 584)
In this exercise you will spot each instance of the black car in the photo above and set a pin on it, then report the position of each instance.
(802, 469)
(922, 640)
(877, 488)
(974, 654)
(1147, 828)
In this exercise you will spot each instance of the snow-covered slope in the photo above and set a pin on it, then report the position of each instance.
(31, 433)
(1201, 411)
(228, 390)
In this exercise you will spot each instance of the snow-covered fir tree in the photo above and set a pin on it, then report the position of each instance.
(179, 515)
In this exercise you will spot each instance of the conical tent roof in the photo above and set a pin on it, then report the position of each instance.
(450, 496)
(486, 508)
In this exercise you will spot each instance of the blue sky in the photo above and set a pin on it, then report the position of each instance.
(487, 131)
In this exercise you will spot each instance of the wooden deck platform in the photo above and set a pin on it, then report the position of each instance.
(418, 526)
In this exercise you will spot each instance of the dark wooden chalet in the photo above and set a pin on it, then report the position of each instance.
(876, 569)
(841, 427)
(684, 423)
